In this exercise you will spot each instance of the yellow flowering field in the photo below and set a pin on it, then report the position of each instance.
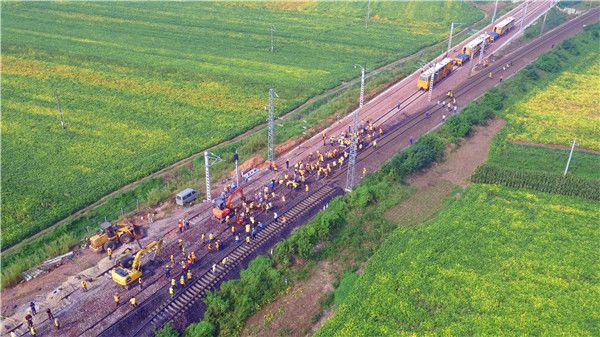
(567, 107)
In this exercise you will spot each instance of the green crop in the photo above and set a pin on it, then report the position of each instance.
(143, 85)
(496, 262)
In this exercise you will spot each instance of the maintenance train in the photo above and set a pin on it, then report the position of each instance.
(443, 68)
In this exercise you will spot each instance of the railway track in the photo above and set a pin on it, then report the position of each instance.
(194, 292)
(209, 280)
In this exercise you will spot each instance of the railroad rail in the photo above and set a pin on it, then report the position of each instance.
(195, 291)
(209, 280)
(183, 301)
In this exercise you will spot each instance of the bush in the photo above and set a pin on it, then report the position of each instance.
(201, 329)
(549, 62)
(166, 331)
(531, 72)
(228, 307)
(569, 46)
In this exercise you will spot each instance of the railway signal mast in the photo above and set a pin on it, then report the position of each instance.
(355, 124)
(271, 131)
(210, 159)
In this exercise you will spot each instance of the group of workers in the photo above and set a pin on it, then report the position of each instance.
(29, 320)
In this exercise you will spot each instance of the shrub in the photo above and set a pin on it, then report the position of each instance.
(549, 62)
(201, 329)
(166, 331)
(531, 72)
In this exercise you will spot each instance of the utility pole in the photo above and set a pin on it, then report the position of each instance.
(451, 31)
(236, 158)
(271, 128)
(495, 9)
(210, 159)
(430, 93)
(368, 13)
(524, 14)
(569, 160)
(62, 122)
(355, 125)
(272, 29)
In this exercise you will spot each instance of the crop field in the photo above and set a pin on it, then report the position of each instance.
(567, 108)
(495, 262)
(143, 85)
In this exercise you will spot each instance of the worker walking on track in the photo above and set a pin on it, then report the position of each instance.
(117, 299)
(171, 291)
(182, 280)
(141, 283)
(189, 274)
(180, 226)
(83, 286)
(172, 282)
(133, 302)
(29, 319)
(109, 253)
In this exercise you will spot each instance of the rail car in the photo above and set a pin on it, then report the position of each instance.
(504, 26)
(469, 50)
(440, 71)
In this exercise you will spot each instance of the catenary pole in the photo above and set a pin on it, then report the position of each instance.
(355, 124)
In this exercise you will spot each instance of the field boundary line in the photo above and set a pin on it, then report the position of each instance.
(183, 162)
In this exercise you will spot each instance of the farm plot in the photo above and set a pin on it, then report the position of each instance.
(567, 108)
(143, 85)
(495, 262)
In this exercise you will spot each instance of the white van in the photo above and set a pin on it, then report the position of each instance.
(186, 196)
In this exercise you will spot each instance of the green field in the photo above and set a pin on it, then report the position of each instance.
(143, 85)
(496, 262)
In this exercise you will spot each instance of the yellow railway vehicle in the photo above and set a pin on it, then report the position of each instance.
(473, 47)
(441, 70)
(504, 26)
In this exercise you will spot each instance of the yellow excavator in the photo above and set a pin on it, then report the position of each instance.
(129, 269)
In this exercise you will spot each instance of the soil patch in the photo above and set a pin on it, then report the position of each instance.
(291, 314)
(463, 160)
(294, 313)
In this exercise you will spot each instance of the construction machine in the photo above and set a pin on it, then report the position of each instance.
(130, 268)
(110, 236)
(224, 208)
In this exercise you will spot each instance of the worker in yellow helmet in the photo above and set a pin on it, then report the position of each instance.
(171, 291)
(189, 274)
(133, 302)
(182, 280)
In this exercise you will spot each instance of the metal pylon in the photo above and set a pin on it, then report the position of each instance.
(355, 124)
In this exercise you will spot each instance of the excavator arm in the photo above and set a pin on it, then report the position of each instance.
(232, 195)
(137, 260)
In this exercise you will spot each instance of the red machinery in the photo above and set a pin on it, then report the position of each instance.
(222, 208)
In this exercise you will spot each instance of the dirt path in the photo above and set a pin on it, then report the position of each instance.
(556, 147)
(294, 313)
(187, 161)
